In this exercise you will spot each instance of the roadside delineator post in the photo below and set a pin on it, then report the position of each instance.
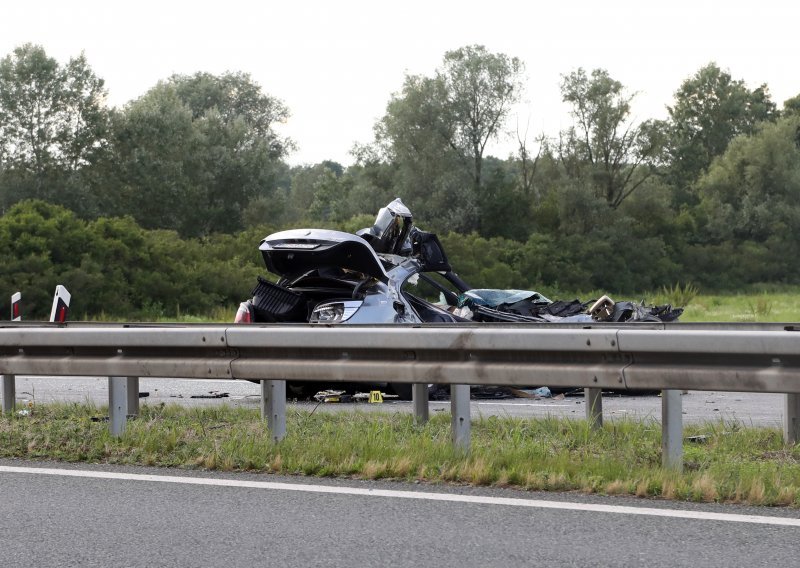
(60, 305)
(16, 306)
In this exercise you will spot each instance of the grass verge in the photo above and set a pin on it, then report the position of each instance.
(733, 464)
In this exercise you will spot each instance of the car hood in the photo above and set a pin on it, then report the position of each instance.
(296, 251)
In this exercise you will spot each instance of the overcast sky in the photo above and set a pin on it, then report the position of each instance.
(336, 63)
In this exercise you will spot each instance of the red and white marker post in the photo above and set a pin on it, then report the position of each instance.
(60, 305)
(16, 306)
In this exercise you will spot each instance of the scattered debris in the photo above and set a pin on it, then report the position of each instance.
(602, 309)
(490, 392)
(332, 396)
(541, 392)
(491, 305)
(211, 394)
(699, 439)
(374, 396)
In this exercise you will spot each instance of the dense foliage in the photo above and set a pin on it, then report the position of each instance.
(158, 207)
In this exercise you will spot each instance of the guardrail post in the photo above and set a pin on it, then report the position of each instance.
(273, 407)
(419, 396)
(9, 393)
(117, 405)
(594, 407)
(459, 407)
(791, 419)
(133, 396)
(671, 429)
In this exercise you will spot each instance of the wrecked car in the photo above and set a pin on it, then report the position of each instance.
(394, 272)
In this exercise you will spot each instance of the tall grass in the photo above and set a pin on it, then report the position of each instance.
(746, 307)
(677, 295)
(735, 464)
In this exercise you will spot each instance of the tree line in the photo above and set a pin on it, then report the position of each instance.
(709, 195)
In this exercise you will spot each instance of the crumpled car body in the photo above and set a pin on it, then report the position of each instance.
(395, 273)
(335, 277)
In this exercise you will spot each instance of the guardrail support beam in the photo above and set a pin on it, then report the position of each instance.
(671, 429)
(594, 407)
(419, 397)
(9, 392)
(273, 407)
(459, 407)
(133, 396)
(117, 405)
(791, 419)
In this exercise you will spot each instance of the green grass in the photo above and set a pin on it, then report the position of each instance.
(753, 307)
(735, 464)
(220, 314)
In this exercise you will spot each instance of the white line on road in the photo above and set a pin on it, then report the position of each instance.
(515, 404)
(476, 499)
(546, 404)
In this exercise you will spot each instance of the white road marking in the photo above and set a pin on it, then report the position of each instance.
(547, 405)
(515, 404)
(391, 493)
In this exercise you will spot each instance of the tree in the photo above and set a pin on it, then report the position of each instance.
(53, 126)
(792, 106)
(236, 97)
(711, 108)
(752, 191)
(527, 166)
(318, 193)
(194, 152)
(606, 148)
(157, 165)
(480, 87)
(436, 131)
(431, 176)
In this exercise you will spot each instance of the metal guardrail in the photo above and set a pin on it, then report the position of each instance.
(669, 357)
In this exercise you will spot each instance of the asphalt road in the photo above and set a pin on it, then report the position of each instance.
(181, 518)
(698, 406)
(158, 519)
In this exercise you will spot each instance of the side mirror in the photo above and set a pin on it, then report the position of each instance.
(428, 249)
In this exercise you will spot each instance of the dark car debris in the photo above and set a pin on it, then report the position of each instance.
(490, 305)
(211, 394)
